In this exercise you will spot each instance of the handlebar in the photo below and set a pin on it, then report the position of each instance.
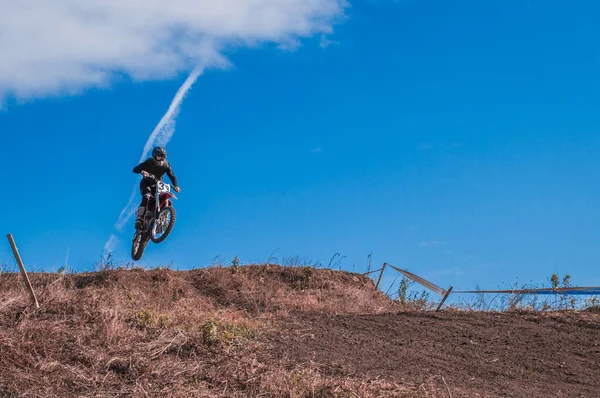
(152, 176)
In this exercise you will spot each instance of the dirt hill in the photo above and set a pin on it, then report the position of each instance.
(274, 331)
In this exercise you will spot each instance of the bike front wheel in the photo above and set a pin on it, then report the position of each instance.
(163, 224)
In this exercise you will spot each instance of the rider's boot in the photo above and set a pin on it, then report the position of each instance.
(140, 217)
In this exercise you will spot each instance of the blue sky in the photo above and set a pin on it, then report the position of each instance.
(456, 139)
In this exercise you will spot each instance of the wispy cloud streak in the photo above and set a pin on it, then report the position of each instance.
(111, 244)
(166, 126)
(161, 135)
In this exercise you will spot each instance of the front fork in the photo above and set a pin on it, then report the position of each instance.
(153, 211)
(155, 207)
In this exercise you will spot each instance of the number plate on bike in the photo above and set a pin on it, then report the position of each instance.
(163, 187)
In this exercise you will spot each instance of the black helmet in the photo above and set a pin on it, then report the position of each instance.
(159, 151)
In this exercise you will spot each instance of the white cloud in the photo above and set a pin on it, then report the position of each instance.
(59, 46)
(316, 150)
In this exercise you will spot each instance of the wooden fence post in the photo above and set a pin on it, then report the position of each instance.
(23, 272)
(380, 275)
(445, 297)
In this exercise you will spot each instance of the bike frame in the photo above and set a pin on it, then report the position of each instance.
(166, 196)
(162, 198)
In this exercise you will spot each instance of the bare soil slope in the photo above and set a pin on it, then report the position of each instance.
(276, 332)
(465, 354)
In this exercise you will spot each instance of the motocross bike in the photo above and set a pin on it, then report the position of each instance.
(158, 219)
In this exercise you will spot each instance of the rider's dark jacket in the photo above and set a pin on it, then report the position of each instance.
(158, 171)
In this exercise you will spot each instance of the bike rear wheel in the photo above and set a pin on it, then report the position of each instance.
(163, 224)
(140, 240)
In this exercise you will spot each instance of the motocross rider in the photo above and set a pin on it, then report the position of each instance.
(158, 166)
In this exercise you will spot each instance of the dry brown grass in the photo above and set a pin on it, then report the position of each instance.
(137, 333)
(277, 290)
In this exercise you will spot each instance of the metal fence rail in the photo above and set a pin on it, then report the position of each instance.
(576, 290)
(583, 290)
